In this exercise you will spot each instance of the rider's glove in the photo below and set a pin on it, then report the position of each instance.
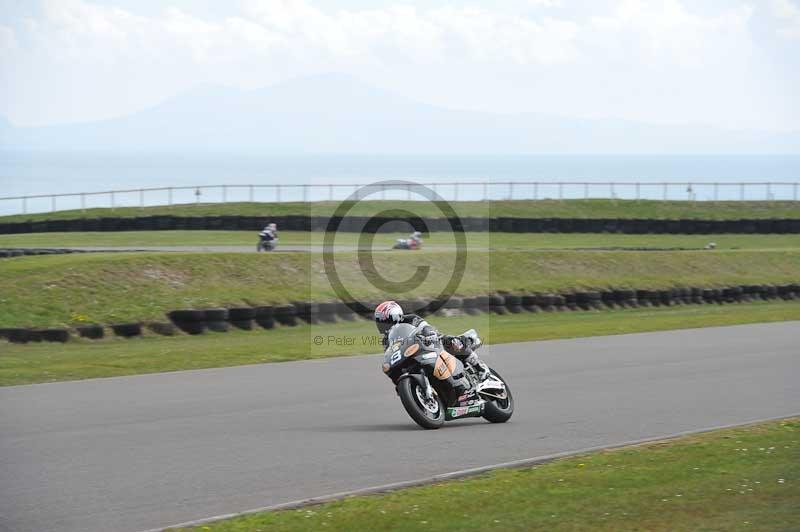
(453, 343)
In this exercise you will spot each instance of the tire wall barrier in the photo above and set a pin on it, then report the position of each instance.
(388, 225)
(199, 321)
(7, 253)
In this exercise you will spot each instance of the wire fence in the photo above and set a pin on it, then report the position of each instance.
(450, 191)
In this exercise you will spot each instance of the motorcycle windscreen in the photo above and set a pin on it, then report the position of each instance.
(401, 337)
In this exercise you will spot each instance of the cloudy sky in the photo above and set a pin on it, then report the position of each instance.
(734, 64)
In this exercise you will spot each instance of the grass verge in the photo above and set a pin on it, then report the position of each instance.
(498, 241)
(117, 287)
(32, 363)
(746, 478)
(592, 208)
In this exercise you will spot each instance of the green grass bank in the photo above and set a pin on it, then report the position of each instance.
(62, 290)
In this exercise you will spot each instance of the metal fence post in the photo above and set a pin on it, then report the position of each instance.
(561, 191)
(586, 191)
(83, 202)
(794, 191)
(277, 193)
(251, 193)
(510, 190)
(613, 192)
(638, 195)
(716, 191)
(665, 191)
(169, 195)
(769, 191)
(455, 192)
(52, 204)
(224, 193)
(113, 201)
(485, 195)
(305, 193)
(24, 205)
(536, 191)
(741, 191)
(141, 198)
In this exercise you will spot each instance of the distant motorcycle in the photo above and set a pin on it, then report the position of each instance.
(406, 243)
(435, 386)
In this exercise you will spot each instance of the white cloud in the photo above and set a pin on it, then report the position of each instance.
(8, 40)
(545, 3)
(298, 30)
(789, 16)
(295, 27)
(667, 30)
(79, 59)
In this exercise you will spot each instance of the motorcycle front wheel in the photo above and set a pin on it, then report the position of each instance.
(499, 410)
(427, 413)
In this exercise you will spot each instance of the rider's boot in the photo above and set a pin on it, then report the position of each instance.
(478, 364)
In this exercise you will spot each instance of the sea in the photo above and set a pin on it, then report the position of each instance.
(261, 177)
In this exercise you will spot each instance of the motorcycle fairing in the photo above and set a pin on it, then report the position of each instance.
(454, 412)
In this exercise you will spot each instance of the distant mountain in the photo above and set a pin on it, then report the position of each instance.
(338, 114)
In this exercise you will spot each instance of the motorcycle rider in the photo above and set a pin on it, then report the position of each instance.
(389, 313)
(415, 241)
(267, 237)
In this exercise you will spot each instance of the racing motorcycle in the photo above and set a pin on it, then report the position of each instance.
(406, 243)
(435, 386)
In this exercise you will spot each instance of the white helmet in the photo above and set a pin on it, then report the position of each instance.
(387, 314)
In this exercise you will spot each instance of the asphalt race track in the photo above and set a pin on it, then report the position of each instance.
(134, 453)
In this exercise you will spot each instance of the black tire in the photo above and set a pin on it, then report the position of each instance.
(407, 389)
(344, 312)
(181, 316)
(17, 335)
(241, 313)
(497, 304)
(92, 332)
(513, 303)
(470, 305)
(499, 413)
(127, 330)
(216, 314)
(218, 326)
(191, 327)
(55, 335)
(265, 317)
(285, 315)
(327, 312)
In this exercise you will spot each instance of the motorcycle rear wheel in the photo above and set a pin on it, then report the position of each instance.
(497, 411)
(412, 396)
